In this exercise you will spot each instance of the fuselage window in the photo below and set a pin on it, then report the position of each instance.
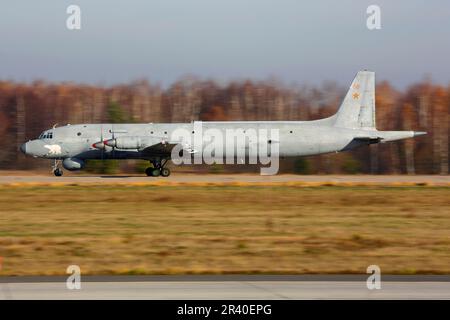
(79, 134)
(165, 132)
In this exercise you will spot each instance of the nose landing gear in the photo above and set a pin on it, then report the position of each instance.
(57, 171)
(158, 169)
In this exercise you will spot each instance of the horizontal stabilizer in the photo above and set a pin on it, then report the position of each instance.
(369, 139)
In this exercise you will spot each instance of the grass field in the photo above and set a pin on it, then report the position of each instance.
(224, 229)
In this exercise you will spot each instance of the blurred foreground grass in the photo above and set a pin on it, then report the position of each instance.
(224, 229)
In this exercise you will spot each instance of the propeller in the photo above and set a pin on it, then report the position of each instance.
(102, 144)
(112, 133)
(101, 139)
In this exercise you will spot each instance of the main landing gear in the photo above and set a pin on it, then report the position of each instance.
(57, 171)
(158, 169)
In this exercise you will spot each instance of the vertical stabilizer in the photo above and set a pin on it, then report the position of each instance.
(358, 108)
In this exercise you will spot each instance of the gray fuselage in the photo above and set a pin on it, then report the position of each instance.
(296, 138)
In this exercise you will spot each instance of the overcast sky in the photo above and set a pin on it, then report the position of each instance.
(163, 40)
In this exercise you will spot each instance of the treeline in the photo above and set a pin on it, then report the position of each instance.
(28, 109)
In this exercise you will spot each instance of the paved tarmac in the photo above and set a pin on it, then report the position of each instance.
(223, 287)
(175, 178)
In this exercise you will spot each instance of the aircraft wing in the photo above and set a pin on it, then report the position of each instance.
(161, 148)
(164, 148)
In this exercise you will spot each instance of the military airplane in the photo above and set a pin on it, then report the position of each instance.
(352, 126)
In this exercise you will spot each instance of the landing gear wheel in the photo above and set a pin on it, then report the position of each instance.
(165, 172)
(157, 168)
(155, 172)
(55, 168)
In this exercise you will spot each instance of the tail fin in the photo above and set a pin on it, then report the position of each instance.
(358, 108)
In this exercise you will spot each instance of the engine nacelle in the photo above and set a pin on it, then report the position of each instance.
(73, 164)
(131, 142)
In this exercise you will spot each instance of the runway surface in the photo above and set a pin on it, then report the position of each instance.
(314, 287)
(227, 178)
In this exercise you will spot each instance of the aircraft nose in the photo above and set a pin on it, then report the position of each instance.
(23, 148)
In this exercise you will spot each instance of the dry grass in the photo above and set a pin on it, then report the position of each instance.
(224, 229)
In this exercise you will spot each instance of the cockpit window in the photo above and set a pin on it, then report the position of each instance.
(46, 135)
